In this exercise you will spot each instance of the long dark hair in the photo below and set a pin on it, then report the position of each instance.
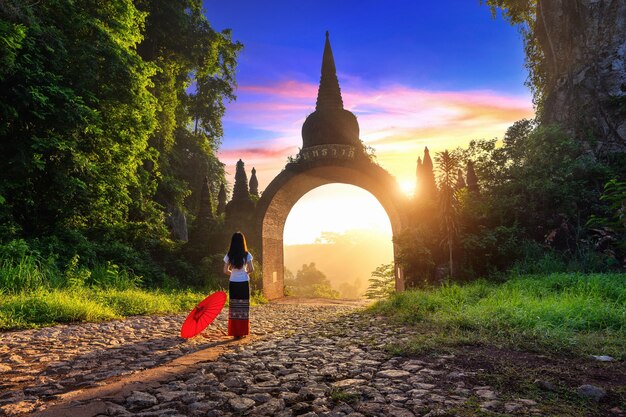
(238, 251)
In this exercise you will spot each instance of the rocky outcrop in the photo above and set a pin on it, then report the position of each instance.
(582, 50)
(176, 222)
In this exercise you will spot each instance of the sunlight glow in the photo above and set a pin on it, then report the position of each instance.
(407, 187)
(334, 208)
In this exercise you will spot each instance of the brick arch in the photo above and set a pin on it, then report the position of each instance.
(298, 179)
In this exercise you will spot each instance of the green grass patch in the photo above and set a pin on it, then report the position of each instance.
(35, 293)
(46, 307)
(339, 395)
(574, 313)
(49, 307)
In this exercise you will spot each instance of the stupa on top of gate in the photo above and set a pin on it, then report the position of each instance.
(330, 131)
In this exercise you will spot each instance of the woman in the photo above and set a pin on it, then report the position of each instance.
(237, 264)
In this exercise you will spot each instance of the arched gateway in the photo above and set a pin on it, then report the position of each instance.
(331, 153)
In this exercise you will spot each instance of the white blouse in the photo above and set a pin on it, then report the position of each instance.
(239, 274)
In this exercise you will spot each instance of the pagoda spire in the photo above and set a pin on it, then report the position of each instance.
(330, 123)
(329, 93)
(240, 209)
(240, 189)
(254, 183)
(418, 170)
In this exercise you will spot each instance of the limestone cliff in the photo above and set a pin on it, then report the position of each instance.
(582, 45)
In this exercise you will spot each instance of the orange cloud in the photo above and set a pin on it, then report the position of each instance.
(397, 121)
(255, 153)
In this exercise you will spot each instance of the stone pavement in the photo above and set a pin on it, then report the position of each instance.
(303, 359)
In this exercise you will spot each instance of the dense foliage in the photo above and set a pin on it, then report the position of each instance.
(540, 186)
(536, 201)
(110, 117)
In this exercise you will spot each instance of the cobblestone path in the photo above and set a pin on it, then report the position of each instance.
(311, 360)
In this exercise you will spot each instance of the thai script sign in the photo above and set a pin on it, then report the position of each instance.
(330, 151)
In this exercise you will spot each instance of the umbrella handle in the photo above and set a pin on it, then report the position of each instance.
(220, 329)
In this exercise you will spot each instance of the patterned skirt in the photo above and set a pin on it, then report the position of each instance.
(239, 308)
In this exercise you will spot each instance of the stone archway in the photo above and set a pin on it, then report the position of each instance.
(300, 178)
(331, 153)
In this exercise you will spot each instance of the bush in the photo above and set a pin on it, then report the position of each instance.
(382, 283)
(22, 269)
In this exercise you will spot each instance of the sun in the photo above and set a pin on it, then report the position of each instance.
(335, 208)
(407, 187)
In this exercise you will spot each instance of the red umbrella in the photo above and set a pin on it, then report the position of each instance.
(203, 314)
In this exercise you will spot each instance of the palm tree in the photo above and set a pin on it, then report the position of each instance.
(447, 166)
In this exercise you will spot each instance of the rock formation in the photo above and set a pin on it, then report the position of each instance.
(582, 63)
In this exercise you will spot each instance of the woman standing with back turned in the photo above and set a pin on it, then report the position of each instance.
(237, 264)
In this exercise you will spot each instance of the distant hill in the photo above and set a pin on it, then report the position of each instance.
(346, 259)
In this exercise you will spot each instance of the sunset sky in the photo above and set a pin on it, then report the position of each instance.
(415, 74)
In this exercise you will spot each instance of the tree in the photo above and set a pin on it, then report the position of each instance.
(447, 165)
(254, 184)
(382, 282)
(75, 129)
(426, 177)
(540, 180)
(221, 200)
(472, 179)
(415, 254)
(187, 51)
(310, 282)
(352, 291)
(96, 116)
(460, 181)
(309, 275)
(613, 223)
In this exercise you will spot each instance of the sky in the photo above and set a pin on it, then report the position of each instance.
(415, 73)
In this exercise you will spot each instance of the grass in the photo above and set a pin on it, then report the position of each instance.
(569, 312)
(34, 293)
(48, 307)
(339, 395)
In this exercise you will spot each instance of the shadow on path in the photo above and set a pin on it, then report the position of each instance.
(92, 401)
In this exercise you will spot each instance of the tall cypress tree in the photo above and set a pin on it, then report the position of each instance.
(418, 178)
(429, 186)
(472, 179)
(460, 181)
(221, 200)
(205, 212)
